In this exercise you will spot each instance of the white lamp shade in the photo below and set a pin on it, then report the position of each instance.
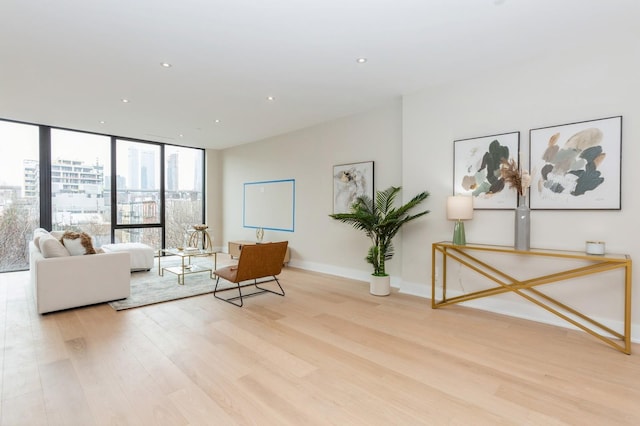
(459, 207)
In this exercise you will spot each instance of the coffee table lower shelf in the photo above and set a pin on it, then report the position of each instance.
(189, 269)
(186, 268)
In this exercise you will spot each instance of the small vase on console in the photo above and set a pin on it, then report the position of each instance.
(522, 228)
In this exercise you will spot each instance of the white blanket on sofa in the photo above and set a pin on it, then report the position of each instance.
(141, 254)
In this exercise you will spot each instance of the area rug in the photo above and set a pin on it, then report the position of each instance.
(147, 287)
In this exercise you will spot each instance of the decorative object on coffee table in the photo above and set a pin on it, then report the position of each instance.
(200, 238)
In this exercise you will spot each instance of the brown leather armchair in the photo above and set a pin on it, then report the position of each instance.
(255, 262)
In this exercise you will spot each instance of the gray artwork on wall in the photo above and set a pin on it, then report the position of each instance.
(349, 182)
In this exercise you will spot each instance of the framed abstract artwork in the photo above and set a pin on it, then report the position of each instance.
(476, 169)
(577, 166)
(349, 182)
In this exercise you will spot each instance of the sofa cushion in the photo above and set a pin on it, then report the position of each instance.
(51, 247)
(37, 233)
(57, 234)
(77, 243)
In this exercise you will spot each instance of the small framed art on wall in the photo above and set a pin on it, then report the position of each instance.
(349, 182)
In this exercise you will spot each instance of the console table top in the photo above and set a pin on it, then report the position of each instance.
(536, 251)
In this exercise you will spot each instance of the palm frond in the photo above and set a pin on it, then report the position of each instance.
(385, 199)
(381, 222)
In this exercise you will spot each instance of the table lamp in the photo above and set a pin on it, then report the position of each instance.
(459, 208)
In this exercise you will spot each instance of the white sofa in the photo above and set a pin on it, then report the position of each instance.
(64, 281)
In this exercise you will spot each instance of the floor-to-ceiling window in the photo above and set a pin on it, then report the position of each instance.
(115, 189)
(184, 177)
(138, 193)
(19, 189)
(80, 183)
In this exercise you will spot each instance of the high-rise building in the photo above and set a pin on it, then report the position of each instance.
(173, 179)
(77, 189)
(148, 170)
(197, 175)
(31, 188)
(133, 181)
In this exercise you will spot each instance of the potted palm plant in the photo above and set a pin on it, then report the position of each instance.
(380, 221)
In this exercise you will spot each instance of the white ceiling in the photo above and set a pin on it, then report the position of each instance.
(68, 63)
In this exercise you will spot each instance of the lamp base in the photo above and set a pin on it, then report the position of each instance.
(458, 234)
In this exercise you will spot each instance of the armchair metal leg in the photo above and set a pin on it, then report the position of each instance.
(233, 300)
(270, 291)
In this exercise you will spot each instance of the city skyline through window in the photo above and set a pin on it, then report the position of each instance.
(79, 171)
(79, 144)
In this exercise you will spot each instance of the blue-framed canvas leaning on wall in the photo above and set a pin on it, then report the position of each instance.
(476, 169)
(577, 166)
(349, 182)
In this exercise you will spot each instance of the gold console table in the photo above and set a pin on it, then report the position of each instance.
(467, 255)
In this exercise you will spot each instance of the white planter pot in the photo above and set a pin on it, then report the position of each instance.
(380, 286)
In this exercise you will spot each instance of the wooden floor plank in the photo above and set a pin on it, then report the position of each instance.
(64, 397)
(26, 409)
(326, 353)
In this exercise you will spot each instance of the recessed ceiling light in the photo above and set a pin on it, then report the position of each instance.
(271, 98)
(165, 64)
(101, 121)
(126, 101)
(217, 120)
(361, 60)
(181, 135)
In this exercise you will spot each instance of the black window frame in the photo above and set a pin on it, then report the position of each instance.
(45, 179)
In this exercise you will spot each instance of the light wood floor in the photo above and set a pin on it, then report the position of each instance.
(327, 353)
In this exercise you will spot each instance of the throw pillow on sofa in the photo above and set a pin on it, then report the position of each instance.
(37, 233)
(51, 247)
(77, 243)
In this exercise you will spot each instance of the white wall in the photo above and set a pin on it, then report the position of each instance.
(595, 82)
(411, 143)
(318, 243)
